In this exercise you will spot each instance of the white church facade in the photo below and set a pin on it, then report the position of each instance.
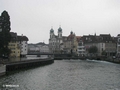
(55, 41)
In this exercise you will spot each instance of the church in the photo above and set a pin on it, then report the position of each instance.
(62, 44)
(55, 41)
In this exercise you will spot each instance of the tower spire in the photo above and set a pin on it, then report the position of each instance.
(52, 27)
(59, 25)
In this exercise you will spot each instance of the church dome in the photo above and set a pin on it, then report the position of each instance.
(59, 29)
(51, 30)
(71, 32)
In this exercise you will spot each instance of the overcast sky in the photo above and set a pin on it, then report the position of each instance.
(34, 18)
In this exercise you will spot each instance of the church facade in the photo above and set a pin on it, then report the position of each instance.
(62, 44)
(55, 41)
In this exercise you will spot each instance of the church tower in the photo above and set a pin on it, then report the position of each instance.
(59, 32)
(51, 33)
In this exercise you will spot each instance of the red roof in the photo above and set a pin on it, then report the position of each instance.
(78, 38)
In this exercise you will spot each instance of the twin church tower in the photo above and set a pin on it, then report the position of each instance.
(55, 41)
(59, 33)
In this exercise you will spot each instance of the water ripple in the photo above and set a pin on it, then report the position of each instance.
(66, 75)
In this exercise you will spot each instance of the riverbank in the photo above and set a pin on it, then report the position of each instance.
(113, 60)
(66, 75)
(7, 65)
(108, 59)
(10, 66)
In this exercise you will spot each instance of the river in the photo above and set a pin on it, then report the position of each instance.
(65, 75)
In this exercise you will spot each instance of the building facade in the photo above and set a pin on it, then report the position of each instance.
(43, 48)
(14, 45)
(39, 47)
(23, 45)
(118, 45)
(103, 42)
(71, 43)
(18, 45)
(81, 49)
(55, 41)
(63, 44)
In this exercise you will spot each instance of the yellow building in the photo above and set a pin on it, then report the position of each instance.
(70, 45)
(14, 45)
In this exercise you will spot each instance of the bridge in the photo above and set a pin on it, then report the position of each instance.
(59, 56)
(39, 53)
(46, 53)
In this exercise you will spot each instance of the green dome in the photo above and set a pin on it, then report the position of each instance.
(59, 29)
(71, 32)
(51, 30)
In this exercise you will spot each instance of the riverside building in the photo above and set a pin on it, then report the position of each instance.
(23, 45)
(104, 43)
(18, 45)
(63, 44)
(14, 45)
(118, 45)
(55, 41)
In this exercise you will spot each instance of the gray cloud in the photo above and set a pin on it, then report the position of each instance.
(34, 18)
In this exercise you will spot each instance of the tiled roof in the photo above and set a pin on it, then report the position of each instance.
(78, 38)
(105, 35)
(40, 43)
(22, 38)
(71, 36)
(96, 39)
(13, 36)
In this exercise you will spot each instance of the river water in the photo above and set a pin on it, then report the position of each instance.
(65, 75)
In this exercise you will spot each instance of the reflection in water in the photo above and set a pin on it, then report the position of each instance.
(67, 75)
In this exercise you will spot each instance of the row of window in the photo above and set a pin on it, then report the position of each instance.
(23, 44)
(15, 52)
(11, 44)
(56, 47)
(81, 48)
(22, 47)
(110, 49)
(14, 49)
(21, 51)
(14, 41)
(54, 43)
(110, 45)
